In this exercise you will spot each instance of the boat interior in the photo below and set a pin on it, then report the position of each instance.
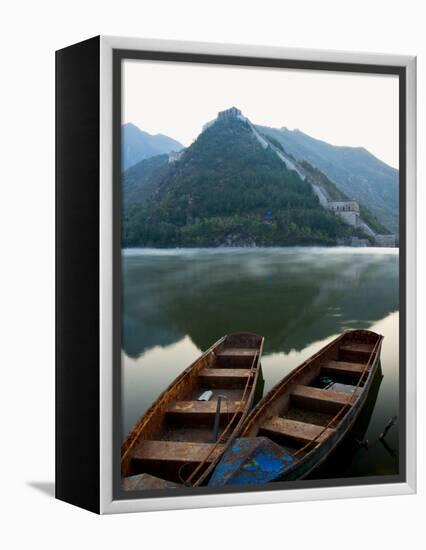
(182, 428)
(301, 413)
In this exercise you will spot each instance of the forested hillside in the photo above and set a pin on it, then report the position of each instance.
(226, 189)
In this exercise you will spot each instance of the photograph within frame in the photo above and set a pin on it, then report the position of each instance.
(119, 56)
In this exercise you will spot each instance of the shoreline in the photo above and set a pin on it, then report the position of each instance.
(134, 251)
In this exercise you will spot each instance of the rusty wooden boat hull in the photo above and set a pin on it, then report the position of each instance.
(303, 419)
(180, 438)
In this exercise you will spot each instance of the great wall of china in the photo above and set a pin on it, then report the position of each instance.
(348, 211)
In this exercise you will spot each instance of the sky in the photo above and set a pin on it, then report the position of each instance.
(176, 99)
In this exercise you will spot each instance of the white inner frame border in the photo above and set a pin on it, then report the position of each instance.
(107, 503)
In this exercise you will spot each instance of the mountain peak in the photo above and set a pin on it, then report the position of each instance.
(227, 114)
(130, 127)
(232, 112)
(138, 145)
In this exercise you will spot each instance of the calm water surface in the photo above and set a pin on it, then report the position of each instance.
(176, 303)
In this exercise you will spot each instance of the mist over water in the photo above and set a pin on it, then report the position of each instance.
(176, 303)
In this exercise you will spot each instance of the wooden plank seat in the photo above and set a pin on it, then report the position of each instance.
(202, 411)
(237, 352)
(235, 357)
(316, 399)
(357, 348)
(343, 367)
(176, 451)
(355, 352)
(224, 378)
(301, 432)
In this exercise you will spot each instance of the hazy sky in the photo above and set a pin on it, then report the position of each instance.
(176, 99)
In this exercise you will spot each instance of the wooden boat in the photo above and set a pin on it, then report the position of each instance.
(298, 424)
(185, 431)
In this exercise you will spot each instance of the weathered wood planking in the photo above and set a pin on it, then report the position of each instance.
(177, 430)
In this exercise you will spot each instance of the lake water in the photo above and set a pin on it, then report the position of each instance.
(176, 303)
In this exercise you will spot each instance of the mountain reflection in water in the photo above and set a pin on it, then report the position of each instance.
(293, 297)
(176, 303)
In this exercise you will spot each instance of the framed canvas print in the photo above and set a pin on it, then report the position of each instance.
(235, 274)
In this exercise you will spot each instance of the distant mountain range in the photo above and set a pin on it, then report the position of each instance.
(355, 171)
(138, 145)
(237, 185)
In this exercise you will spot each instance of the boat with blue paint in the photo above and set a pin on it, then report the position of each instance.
(302, 420)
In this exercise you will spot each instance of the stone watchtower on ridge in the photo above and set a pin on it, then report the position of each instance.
(348, 211)
(233, 112)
